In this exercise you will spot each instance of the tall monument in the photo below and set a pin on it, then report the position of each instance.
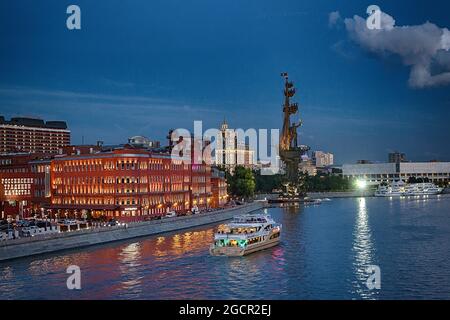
(290, 152)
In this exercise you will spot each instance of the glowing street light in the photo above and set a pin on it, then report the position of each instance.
(361, 184)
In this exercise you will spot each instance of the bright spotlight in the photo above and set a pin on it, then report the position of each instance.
(361, 184)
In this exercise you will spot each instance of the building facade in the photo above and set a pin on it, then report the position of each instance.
(24, 184)
(230, 152)
(125, 184)
(218, 188)
(375, 173)
(394, 157)
(32, 135)
(322, 159)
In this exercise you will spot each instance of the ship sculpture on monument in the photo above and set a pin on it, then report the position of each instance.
(290, 151)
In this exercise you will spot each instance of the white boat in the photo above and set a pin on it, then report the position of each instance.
(246, 234)
(427, 188)
(399, 188)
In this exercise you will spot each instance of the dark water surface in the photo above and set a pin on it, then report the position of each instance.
(323, 255)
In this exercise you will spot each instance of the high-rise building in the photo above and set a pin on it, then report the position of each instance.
(322, 159)
(396, 157)
(230, 152)
(32, 135)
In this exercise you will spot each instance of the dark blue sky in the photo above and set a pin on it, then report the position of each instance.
(142, 67)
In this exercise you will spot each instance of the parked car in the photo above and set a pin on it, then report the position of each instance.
(29, 231)
(195, 210)
(112, 223)
(170, 214)
(43, 224)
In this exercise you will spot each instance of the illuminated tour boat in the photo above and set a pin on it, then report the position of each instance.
(399, 188)
(246, 234)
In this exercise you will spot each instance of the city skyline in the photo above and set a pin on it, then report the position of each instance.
(112, 80)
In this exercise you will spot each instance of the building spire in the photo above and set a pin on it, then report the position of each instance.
(224, 124)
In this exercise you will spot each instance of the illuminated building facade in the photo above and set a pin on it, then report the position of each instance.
(230, 152)
(125, 183)
(32, 135)
(128, 184)
(24, 184)
(219, 189)
(322, 159)
(376, 173)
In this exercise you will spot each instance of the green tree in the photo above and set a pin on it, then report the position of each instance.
(326, 182)
(266, 183)
(241, 183)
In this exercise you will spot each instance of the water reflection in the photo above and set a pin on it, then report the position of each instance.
(323, 254)
(363, 250)
(130, 268)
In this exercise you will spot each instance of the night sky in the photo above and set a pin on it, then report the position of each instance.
(142, 67)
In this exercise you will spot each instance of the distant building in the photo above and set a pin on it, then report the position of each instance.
(375, 173)
(363, 161)
(307, 166)
(230, 152)
(143, 142)
(32, 135)
(396, 156)
(322, 159)
(80, 149)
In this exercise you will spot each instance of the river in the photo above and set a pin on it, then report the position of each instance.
(324, 254)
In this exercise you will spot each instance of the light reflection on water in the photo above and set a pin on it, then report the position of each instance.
(363, 250)
(323, 254)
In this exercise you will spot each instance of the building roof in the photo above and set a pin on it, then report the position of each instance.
(31, 122)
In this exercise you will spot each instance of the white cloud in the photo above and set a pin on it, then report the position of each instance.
(425, 47)
(333, 18)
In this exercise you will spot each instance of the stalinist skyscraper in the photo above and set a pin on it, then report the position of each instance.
(230, 152)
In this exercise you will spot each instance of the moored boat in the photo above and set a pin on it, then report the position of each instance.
(399, 188)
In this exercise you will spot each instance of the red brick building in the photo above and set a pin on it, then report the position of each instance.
(127, 184)
(124, 183)
(218, 188)
(32, 135)
(24, 184)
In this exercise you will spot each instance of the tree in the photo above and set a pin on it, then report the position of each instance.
(267, 183)
(326, 182)
(241, 183)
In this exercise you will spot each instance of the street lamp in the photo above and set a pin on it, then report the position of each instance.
(9, 219)
(361, 184)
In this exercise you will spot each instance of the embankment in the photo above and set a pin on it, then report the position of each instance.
(18, 248)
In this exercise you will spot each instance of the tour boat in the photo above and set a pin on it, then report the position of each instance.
(246, 234)
(413, 189)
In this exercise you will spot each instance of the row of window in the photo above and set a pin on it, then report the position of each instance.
(399, 175)
(157, 201)
(154, 179)
(95, 190)
(86, 167)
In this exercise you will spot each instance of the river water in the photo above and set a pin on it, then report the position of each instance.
(324, 254)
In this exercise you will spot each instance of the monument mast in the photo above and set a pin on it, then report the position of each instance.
(290, 152)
